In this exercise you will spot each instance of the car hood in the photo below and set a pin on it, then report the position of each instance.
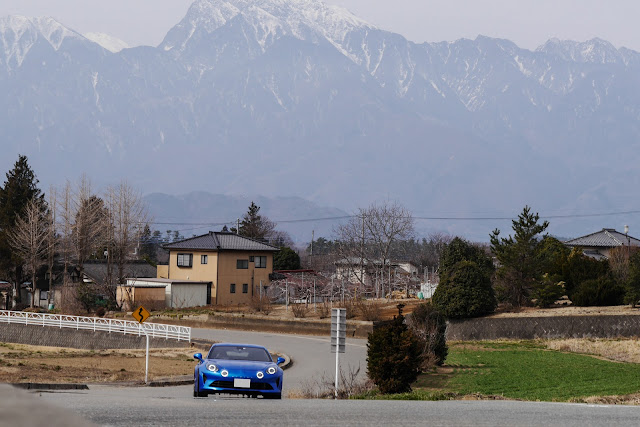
(240, 364)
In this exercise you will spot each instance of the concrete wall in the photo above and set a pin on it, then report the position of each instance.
(82, 339)
(544, 327)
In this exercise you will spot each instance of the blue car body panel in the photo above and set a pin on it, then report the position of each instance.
(233, 376)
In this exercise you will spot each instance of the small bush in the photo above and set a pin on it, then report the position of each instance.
(349, 307)
(101, 311)
(299, 310)
(261, 305)
(324, 310)
(548, 292)
(369, 310)
(394, 356)
(430, 327)
(598, 292)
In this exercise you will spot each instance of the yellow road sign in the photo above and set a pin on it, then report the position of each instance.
(140, 314)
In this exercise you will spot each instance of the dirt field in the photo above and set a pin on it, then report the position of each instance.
(569, 310)
(23, 363)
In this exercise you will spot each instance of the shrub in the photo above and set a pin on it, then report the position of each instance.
(299, 310)
(101, 311)
(369, 310)
(393, 356)
(548, 292)
(430, 327)
(349, 307)
(580, 268)
(465, 292)
(261, 305)
(324, 310)
(599, 292)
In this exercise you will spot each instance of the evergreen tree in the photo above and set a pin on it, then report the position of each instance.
(465, 281)
(286, 259)
(465, 291)
(394, 356)
(520, 268)
(20, 187)
(632, 295)
(254, 225)
(461, 250)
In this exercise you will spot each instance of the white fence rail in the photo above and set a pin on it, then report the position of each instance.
(154, 330)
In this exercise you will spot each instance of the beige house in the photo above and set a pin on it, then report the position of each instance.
(235, 266)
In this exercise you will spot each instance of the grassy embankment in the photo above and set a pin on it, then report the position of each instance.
(527, 370)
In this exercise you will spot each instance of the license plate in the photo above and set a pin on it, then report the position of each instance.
(241, 383)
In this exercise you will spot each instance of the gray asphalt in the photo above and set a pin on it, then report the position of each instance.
(174, 406)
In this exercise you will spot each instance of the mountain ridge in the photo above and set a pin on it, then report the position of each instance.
(283, 97)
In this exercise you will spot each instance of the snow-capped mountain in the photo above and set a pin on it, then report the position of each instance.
(295, 97)
(112, 44)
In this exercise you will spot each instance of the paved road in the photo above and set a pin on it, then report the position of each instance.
(174, 406)
(312, 357)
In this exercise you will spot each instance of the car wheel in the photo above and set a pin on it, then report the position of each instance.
(196, 391)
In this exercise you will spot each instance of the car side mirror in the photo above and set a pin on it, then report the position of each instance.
(280, 360)
(198, 356)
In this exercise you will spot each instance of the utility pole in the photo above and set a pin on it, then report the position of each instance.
(362, 253)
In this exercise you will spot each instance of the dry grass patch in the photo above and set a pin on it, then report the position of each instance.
(620, 350)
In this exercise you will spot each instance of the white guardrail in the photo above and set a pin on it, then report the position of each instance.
(154, 330)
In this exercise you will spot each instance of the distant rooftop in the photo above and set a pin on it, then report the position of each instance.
(606, 238)
(221, 241)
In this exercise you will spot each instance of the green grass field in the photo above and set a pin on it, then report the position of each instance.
(523, 370)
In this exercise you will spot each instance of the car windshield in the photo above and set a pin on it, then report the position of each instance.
(233, 352)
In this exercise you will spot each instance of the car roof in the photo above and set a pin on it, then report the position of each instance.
(229, 344)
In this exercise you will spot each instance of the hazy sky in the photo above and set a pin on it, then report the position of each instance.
(528, 23)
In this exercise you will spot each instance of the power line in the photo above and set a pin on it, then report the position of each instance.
(425, 218)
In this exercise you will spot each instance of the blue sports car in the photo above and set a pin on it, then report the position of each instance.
(238, 369)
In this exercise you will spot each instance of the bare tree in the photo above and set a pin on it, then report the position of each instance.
(52, 240)
(369, 238)
(29, 238)
(128, 217)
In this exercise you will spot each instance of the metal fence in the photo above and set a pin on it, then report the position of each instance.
(154, 330)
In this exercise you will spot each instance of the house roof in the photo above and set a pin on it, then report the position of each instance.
(606, 238)
(98, 270)
(220, 241)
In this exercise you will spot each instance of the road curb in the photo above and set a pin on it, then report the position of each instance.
(42, 386)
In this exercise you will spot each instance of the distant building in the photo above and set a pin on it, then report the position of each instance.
(599, 244)
(215, 268)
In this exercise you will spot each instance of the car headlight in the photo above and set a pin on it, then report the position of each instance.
(212, 367)
(260, 375)
(224, 372)
(271, 370)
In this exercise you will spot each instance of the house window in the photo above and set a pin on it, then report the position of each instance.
(204, 259)
(232, 288)
(261, 261)
(245, 288)
(185, 260)
(242, 264)
(43, 295)
(251, 259)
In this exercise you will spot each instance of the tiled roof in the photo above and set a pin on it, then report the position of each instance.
(606, 238)
(220, 241)
(98, 271)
